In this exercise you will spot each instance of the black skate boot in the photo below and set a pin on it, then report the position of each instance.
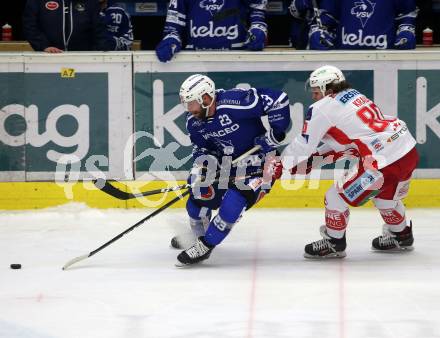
(195, 254)
(394, 241)
(328, 247)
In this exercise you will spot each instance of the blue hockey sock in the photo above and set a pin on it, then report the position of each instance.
(232, 207)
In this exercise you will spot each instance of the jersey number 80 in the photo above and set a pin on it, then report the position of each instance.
(373, 117)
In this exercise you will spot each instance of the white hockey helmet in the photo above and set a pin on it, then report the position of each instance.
(193, 89)
(325, 75)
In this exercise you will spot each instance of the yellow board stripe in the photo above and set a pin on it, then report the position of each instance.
(34, 195)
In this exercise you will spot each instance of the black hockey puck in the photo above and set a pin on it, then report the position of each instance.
(15, 266)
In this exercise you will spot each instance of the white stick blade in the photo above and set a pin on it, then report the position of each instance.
(74, 260)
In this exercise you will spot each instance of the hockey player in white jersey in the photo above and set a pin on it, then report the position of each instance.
(344, 120)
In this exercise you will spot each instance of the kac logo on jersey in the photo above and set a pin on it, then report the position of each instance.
(212, 6)
(363, 10)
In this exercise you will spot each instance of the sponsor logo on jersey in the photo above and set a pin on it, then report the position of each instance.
(363, 10)
(212, 6)
(377, 145)
(222, 132)
(231, 32)
(395, 136)
(228, 101)
(348, 96)
(52, 5)
(353, 39)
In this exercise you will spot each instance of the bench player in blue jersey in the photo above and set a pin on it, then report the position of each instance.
(118, 25)
(365, 24)
(223, 125)
(213, 25)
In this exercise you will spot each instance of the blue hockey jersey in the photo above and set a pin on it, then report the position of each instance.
(119, 27)
(368, 24)
(214, 24)
(237, 121)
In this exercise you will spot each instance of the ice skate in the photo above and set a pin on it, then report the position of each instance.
(394, 241)
(195, 254)
(327, 247)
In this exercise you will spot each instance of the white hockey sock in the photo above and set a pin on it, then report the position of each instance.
(336, 222)
(337, 214)
(197, 227)
(393, 214)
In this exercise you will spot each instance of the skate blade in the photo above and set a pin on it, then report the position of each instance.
(395, 250)
(185, 266)
(181, 265)
(340, 254)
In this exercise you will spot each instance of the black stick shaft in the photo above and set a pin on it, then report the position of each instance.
(154, 213)
(108, 188)
(162, 208)
(165, 206)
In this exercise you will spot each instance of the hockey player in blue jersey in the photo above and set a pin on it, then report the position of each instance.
(213, 25)
(223, 125)
(365, 24)
(118, 25)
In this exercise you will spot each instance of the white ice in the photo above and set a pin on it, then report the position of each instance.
(256, 283)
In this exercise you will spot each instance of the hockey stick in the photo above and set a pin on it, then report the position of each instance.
(108, 188)
(162, 208)
(154, 213)
(111, 190)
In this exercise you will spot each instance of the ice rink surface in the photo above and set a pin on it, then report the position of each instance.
(256, 283)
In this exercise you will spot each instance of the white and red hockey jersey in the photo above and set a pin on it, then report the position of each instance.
(350, 120)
